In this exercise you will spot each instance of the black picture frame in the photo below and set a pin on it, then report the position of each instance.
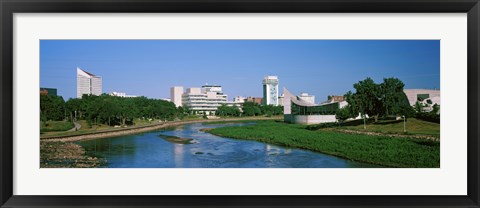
(9, 7)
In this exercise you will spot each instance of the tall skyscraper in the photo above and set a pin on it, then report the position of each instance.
(270, 90)
(88, 83)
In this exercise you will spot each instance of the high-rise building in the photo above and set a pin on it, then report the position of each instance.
(88, 83)
(270, 90)
(176, 95)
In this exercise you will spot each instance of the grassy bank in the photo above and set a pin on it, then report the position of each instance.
(55, 126)
(380, 150)
(413, 126)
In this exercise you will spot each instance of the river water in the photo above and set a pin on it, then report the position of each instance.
(152, 150)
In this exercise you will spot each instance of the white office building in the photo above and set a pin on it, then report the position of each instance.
(176, 95)
(121, 94)
(88, 83)
(270, 90)
(204, 100)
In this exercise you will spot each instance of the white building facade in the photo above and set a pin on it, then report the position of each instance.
(307, 98)
(88, 83)
(300, 111)
(121, 94)
(176, 95)
(426, 97)
(204, 100)
(270, 90)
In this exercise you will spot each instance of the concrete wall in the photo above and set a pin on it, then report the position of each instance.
(412, 95)
(309, 119)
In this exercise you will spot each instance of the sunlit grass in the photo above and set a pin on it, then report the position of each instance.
(54, 126)
(380, 150)
(412, 125)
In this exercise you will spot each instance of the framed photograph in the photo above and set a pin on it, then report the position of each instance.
(263, 103)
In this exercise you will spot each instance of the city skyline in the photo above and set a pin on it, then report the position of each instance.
(318, 67)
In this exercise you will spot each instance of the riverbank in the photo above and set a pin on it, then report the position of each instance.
(62, 152)
(141, 129)
(373, 149)
(66, 155)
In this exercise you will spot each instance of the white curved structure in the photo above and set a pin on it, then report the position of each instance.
(289, 117)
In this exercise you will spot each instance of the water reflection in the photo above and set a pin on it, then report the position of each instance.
(150, 150)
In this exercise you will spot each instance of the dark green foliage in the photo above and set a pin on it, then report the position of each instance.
(394, 100)
(343, 114)
(375, 100)
(381, 150)
(254, 109)
(271, 110)
(183, 111)
(321, 126)
(52, 108)
(112, 110)
(367, 98)
(225, 110)
(428, 116)
(251, 109)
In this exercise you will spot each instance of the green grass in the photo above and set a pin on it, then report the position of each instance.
(380, 150)
(54, 126)
(413, 126)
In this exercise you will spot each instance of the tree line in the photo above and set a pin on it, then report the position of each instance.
(107, 109)
(249, 109)
(113, 110)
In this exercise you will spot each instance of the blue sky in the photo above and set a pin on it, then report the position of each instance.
(318, 67)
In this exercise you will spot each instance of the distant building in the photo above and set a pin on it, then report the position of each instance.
(270, 90)
(121, 94)
(426, 97)
(307, 98)
(239, 99)
(166, 99)
(204, 100)
(256, 100)
(88, 83)
(48, 91)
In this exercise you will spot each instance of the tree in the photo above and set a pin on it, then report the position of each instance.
(435, 108)
(418, 107)
(394, 100)
(52, 108)
(343, 114)
(391, 94)
(225, 110)
(365, 100)
(73, 107)
(251, 109)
